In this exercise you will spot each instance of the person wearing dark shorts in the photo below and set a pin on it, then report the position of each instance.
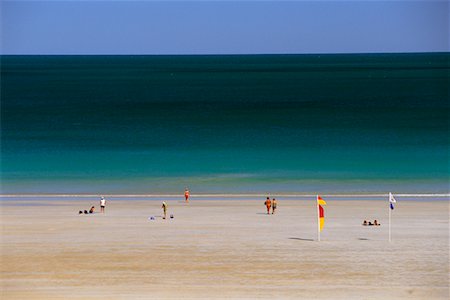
(274, 205)
(102, 205)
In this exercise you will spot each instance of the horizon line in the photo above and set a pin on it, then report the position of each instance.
(221, 54)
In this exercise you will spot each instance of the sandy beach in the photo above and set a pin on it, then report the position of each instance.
(223, 249)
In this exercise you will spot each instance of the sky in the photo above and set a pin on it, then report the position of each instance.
(223, 27)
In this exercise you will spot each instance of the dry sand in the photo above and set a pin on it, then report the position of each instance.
(223, 249)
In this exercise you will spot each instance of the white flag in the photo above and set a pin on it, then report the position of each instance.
(391, 200)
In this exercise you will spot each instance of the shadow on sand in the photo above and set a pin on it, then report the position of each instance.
(300, 239)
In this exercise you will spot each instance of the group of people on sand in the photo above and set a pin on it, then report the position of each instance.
(368, 223)
(271, 204)
(92, 209)
(103, 204)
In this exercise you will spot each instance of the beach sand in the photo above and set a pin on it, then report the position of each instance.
(223, 249)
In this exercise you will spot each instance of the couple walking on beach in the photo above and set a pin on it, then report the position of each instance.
(270, 204)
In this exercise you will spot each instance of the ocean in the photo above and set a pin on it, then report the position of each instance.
(356, 123)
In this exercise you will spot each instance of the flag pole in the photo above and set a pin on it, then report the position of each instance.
(389, 207)
(318, 218)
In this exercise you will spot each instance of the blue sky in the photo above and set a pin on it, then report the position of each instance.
(223, 27)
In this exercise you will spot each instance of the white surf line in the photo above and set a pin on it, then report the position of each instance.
(210, 195)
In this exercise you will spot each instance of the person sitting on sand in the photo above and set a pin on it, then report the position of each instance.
(375, 223)
(365, 223)
(91, 211)
(85, 212)
(274, 205)
(268, 204)
(164, 207)
(370, 224)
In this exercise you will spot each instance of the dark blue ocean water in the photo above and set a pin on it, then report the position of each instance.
(266, 123)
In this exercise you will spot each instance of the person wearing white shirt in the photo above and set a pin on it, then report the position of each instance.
(102, 204)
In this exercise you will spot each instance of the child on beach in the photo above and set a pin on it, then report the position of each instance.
(274, 205)
(268, 204)
(102, 205)
(91, 211)
(164, 207)
(186, 194)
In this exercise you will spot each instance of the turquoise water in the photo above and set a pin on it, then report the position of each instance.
(266, 123)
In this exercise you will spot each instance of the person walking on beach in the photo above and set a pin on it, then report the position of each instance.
(186, 194)
(164, 207)
(102, 204)
(268, 204)
(274, 205)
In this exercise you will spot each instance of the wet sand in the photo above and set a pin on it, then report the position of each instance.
(223, 249)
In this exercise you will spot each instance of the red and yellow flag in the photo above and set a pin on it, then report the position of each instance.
(321, 202)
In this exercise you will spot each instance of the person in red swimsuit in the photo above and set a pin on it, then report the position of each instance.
(186, 194)
(268, 204)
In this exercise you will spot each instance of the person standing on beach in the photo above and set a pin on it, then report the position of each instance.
(274, 205)
(164, 207)
(268, 204)
(102, 204)
(186, 194)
